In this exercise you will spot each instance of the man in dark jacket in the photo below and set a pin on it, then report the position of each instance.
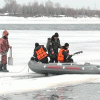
(63, 55)
(52, 55)
(52, 46)
(40, 53)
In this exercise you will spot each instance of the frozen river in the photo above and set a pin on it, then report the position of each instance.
(23, 42)
(22, 83)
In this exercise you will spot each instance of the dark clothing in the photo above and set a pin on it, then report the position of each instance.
(50, 50)
(67, 57)
(65, 54)
(69, 60)
(53, 45)
(44, 58)
(53, 59)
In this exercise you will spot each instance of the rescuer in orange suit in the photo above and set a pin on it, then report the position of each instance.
(4, 47)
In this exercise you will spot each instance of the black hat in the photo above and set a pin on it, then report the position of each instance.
(56, 35)
(36, 44)
(66, 45)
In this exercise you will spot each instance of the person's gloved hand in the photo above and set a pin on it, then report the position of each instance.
(32, 58)
(70, 56)
(50, 44)
(52, 52)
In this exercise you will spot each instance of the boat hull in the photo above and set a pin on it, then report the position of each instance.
(63, 68)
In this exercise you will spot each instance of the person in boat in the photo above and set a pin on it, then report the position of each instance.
(52, 46)
(63, 55)
(52, 55)
(4, 47)
(40, 53)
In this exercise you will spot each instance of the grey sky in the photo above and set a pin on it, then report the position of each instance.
(93, 4)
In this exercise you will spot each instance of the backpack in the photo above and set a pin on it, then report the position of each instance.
(48, 43)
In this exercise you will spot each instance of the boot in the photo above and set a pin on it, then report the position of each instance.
(1, 67)
(5, 68)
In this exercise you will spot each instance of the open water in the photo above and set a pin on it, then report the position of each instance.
(66, 27)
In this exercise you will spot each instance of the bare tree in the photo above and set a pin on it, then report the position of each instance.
(8, 1)
(35, 8)
(11, 6)
(49, 8)
(57, 9)
(41, 10)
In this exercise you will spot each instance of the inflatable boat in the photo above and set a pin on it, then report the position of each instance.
(63, 68)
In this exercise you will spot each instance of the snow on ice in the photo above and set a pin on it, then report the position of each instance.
(22, 42)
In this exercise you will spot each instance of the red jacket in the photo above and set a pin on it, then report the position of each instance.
(4, 45)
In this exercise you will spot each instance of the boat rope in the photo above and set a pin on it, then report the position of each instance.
(22, 69)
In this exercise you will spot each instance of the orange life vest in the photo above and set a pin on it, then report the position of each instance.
(61, 56)
(41, 54)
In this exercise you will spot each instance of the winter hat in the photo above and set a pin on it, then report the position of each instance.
(66, 45)
(5, 33)
(56, 35)
(36, 44)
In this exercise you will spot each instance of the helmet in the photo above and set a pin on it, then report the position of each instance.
(66, 44)
(5, 33)
(36, 44)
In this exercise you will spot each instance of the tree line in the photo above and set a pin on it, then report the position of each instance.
(48, 9)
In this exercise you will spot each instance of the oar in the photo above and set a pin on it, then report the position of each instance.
(74, 54)
(77, 53)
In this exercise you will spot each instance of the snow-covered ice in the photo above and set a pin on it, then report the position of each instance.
(46, 20)
(23, 42)
(23, 45)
